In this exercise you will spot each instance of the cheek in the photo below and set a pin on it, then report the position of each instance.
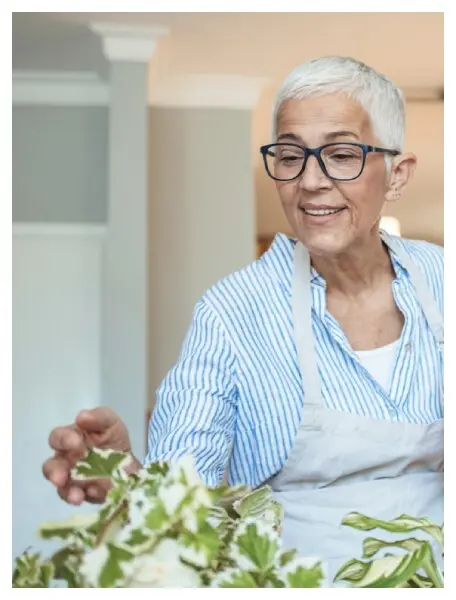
(288, 193)
(365, 199)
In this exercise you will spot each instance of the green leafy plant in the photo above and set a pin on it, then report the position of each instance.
(162, 527)
(414, 567)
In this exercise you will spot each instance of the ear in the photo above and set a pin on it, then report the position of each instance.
(401, 172)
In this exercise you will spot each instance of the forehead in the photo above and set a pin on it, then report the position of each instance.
(323, 115)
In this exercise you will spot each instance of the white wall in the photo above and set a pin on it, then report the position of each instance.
(56, 357)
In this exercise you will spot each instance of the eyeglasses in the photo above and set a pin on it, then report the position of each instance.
(342, 161)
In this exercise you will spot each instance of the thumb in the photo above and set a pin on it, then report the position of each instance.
(96, 420)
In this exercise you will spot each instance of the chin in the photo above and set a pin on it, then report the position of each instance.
(326, 243)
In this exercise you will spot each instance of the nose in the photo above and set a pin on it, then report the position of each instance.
(313, 179)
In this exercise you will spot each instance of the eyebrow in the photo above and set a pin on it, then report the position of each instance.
(343, 133)
(289, 136)
(329, 137)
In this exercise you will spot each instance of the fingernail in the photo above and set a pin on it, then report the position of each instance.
(58, 479)
(75, 495)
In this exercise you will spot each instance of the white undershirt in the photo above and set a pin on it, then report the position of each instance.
(380, 362)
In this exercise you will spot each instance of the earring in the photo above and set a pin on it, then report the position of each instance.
(395, 194)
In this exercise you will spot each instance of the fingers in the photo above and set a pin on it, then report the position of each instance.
(72, 494)
(67, 439)
(57, 471)
(78, 492)
(97, 420)
(96, 492)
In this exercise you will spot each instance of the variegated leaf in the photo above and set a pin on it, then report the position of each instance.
(63, 529)
(352, 571)
(100, 464)
(372, 545)
(255, 503)
(395, 571)
(402, 524)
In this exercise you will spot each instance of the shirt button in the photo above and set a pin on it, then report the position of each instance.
(408, 347)
(391, 412)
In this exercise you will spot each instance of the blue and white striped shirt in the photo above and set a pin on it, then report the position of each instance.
(238, 385)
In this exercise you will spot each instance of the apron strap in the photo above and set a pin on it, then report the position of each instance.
(302, 313)
(428, 304)
(302, 319)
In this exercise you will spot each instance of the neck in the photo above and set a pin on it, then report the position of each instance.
(357, 270)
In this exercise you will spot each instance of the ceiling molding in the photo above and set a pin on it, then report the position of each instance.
(65, 88)
(128, 43)
(80, 88)
(208, 91)
(86, 88)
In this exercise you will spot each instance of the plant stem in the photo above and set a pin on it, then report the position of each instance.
(108, 522)
(433, 572)
(417, 581)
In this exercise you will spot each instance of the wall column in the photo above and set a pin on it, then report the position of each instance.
(125, 274)
(202, 200)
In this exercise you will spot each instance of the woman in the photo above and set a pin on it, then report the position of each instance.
(319, 368)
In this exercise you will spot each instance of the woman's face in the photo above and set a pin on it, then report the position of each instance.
(326, 119)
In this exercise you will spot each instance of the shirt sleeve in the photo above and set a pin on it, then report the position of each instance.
(195, 407)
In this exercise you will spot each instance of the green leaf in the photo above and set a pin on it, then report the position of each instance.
(286, 557)
(120, 490)
(392, 571)
(157, 518)
(419, 581)
(272, 580)
(99, 464)
(47, 572)
(259, 548)
(372, 545)
(137, 538)
(64, 529)
(66, 564)
(227, 494)
(218, 515)
(157, 468)
(254, 503)
(206, 540)
(29, 572)
(112, 574)
(239, 579)
(304, 577)
(402, 524)
(352, 571)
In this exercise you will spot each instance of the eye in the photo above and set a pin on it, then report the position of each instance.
(290, 159)
(342, 156)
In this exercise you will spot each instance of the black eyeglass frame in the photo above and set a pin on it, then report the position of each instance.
(317, 153)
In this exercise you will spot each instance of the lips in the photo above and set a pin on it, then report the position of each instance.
(322, 212)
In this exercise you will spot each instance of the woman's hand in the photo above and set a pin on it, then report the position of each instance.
(101, 428)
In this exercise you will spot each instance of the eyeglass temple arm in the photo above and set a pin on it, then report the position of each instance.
(385, 150)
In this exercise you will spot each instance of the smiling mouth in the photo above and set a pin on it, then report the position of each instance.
(322, 212)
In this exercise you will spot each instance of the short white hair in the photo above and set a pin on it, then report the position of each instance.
(379, 96)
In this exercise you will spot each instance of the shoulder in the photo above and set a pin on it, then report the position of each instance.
(237, 294)
(429, 258)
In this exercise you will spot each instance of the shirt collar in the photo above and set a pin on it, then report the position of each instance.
(278, 261)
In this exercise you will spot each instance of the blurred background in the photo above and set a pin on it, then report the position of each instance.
(137, 184)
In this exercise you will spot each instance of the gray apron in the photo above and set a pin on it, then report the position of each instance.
(342, 462)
